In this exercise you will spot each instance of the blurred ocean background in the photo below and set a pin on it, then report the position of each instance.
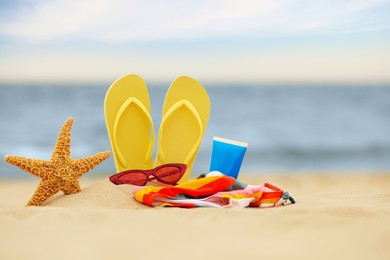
(288, 128)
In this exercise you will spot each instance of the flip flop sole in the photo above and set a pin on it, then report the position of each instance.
(184, 119)
(129, 125)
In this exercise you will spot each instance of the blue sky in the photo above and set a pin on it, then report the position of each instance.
(275, 41)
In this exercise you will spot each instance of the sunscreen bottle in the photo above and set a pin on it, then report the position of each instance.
(227, 156)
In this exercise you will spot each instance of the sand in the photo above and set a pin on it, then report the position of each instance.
(337, 216)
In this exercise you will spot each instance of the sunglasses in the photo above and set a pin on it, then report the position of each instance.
(169, 173)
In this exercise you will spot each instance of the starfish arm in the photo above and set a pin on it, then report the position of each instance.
(33, 166)
(72, 188)
(62, 148)
(44, 191)
(83, 165)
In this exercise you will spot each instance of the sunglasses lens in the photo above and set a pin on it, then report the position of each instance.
(134, 178)
(170, 174)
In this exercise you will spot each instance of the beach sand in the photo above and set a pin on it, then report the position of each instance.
(337, 216)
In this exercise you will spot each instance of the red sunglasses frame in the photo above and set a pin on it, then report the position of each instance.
(182, 167)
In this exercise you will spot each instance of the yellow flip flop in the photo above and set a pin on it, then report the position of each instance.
(185, 116)
(129, 124)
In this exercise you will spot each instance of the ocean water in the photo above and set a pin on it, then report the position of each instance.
(288, 128)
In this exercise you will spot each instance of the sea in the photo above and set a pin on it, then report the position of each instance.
(288, 128)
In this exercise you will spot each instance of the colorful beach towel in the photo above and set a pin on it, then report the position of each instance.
(214, 190)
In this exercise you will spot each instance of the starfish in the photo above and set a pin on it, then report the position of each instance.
(60, 173)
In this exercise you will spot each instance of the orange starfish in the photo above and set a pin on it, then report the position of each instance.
(60, 173)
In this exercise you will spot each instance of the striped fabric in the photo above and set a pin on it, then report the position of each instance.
(217, 191)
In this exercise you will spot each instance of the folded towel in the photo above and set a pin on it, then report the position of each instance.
(214, 190)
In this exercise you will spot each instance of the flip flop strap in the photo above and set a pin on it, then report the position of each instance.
(125, 105)
(170, 111)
